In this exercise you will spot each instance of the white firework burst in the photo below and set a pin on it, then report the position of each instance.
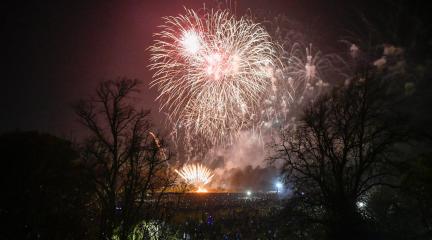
(211, 71)
(196, 174)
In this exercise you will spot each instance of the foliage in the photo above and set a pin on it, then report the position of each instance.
(151, 230)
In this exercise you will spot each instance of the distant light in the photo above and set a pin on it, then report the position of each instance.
(361, 204)
(279, 185)
(248, 193)
(201, 190)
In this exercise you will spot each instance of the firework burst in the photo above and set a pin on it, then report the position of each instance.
(211, 71)
(197, 175)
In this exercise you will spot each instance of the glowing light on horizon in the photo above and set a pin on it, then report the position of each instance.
(197, 175)
(278, 185)
(201, 190)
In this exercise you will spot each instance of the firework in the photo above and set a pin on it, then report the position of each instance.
(211, 71)
(300, 81)
(197, 175)
(305, 67)
(161, 152)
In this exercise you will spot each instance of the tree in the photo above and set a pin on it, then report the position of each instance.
(126, 159)
(405, 213)
(44, 192)
(338, 153)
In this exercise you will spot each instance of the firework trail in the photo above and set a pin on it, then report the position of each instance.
(158, 145)
(211, 71)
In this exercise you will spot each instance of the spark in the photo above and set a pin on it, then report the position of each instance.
(211, 71)
(197, 175)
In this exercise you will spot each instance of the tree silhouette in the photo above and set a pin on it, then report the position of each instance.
(127, 160)
(338, 153)
(405, 213)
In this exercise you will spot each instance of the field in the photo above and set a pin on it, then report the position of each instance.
(224, 215)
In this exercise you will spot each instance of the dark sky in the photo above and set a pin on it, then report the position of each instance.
(56, 52)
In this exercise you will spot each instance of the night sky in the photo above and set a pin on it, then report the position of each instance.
(57, 52)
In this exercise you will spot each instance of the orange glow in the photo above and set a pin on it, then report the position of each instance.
(201, 190)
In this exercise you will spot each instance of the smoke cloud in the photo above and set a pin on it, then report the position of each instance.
(242, 166)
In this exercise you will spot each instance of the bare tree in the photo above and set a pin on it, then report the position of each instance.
(339, 152)
(126, 159)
